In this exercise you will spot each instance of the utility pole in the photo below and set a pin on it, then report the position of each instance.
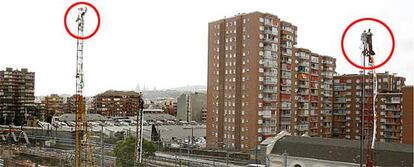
(285, 156)
(188, 150)
(227, 150)
(138, 144)
(180, 151)
(255, 157)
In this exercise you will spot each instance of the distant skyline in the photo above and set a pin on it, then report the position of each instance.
(163, 43)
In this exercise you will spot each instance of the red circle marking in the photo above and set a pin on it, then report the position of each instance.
(367, 19)
(97, 14)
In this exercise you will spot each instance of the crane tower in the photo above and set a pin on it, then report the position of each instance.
(81, 129)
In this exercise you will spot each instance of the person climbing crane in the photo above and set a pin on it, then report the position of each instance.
(366, 38)
(79, 20)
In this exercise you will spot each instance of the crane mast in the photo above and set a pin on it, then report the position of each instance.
(82, 134)
(369, 115)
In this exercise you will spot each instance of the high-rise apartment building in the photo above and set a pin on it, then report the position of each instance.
(117, 103)
(190, 106)
(70, 104)
(260, 84)
(407, 114)
(53, 106)
(16, 95)
(348, 106)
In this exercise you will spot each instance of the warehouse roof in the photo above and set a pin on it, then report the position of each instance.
(90, 117)
(342, 150)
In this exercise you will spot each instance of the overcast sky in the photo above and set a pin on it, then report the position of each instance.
(164, 43)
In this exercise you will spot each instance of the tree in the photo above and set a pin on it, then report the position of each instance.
(125, 151)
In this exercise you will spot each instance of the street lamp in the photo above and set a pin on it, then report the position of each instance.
(179, 142)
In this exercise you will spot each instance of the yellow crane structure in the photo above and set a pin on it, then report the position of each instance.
(82, 134)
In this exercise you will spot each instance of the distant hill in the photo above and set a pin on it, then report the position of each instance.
(191, 88)
(173, 92)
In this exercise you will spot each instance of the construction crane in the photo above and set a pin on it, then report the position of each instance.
(140, 121)
(82, 133)
(369, 115)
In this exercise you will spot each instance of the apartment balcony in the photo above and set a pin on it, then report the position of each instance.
(314, 120)
(270, 48)
(285, 115)
(284, 53)
(285, 92)
(391, 137)
(339, 113)
(268, 23)
(303, 56)
(268, 133)
(327, 94)
(269, 108)
(286, 76)
(339, 120)
(392, 101)
(269, 65)
(304, 79)
(314, 73)
(303, 69)
(268, 40)
(314, 66)
(392, 123)
(270, 99)
(301, 85)
(284, 68)
(287, 28)
(303, 113)
(392, 108)
(287, 61)
(286, 45)
(285, 107)
(328, 76)
(272, 74)
(271, 56)
(313, 108)
(303, 92)
(340, 88)
(392, 116)
(270, 32)
(341, 101)
(269, 82)
(301, 99)
(390, 130)
(303, 63)
(267, 90)
(285, 84)
(303, 127)
(284, 122)
(269, 124)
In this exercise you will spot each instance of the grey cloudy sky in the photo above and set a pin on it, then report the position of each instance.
(164, 43)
